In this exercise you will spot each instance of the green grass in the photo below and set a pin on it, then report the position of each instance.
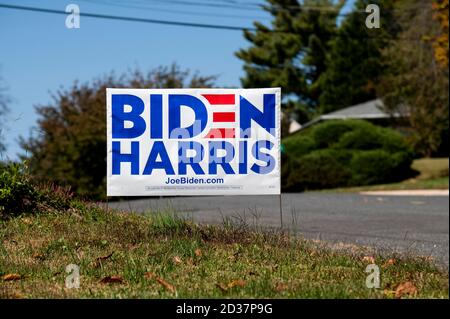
(433, 174)
(161, 256)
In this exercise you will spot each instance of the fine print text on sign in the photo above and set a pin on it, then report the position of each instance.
(193, 142)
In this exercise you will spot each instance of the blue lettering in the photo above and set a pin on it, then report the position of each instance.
(256, 151)
(118, 157)
(249, 112)
(119, 116)
(152, 163)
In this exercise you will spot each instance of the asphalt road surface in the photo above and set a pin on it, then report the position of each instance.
(417, 225)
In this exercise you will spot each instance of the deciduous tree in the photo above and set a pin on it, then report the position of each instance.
(70, 148)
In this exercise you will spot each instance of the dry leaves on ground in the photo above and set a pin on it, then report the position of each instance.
(162, 282)
(232, 284)
(112, 280)
(11, 277)
(389, 262)
(177, 260)
(369, 259)
(405, 288)
(281, 287)
(98, 261)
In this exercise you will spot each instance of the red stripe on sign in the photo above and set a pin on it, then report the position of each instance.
(220, 99)
(220, 133)
(223, 117)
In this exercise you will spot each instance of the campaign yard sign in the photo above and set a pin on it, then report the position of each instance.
(193, 141)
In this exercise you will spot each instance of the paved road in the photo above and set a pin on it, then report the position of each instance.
(406, 224)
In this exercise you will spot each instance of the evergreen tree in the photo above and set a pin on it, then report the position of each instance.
(291, 52)
(355, 63)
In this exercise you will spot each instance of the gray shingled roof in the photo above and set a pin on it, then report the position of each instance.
(368, 110)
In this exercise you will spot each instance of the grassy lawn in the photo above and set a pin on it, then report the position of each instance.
(131, 256)
(433, 174)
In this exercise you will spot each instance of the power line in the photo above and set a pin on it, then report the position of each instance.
(175, 23)
(121, 18)
(184, 12)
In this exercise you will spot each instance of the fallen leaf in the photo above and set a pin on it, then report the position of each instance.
(149, 275)
(198, 252)
(177, 260)
(369, 259)
(165, 284)
(222, 286)
(231, 284)
(281, 287)
(27, 221)
(99, 260)
(406, 288)
(389, 262)
(236, 283)
(112, 280)
(11, 277)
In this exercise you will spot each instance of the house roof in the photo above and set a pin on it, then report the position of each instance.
(368, 110)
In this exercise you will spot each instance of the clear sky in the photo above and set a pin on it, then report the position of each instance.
(39, 55)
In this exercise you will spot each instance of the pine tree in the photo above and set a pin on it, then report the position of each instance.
(290, 53)
(355, 62)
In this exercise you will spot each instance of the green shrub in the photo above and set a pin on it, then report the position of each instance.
(299, 145)
(342, 153)
(17, 194)
(320, 169)
(371, 137)
(379, 166)
(20, 194)
(328, 133)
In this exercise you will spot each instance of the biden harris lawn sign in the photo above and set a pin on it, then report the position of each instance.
(193, 142)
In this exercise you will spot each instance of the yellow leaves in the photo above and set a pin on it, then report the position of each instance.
(11, 277)
(440, 43)
(198, 252)
(112, 280)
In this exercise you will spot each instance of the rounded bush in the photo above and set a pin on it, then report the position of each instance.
(378, 166)
(299, 145)
(320, 169)
(341, 153)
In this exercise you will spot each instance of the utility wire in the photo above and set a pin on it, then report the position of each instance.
(121, 18)
(176, 23)
(135, 5)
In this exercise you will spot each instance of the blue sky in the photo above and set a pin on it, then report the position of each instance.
(39, 54)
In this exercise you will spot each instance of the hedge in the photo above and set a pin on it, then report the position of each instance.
(342, 153)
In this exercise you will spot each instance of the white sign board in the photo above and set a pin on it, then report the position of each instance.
(193, 142)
